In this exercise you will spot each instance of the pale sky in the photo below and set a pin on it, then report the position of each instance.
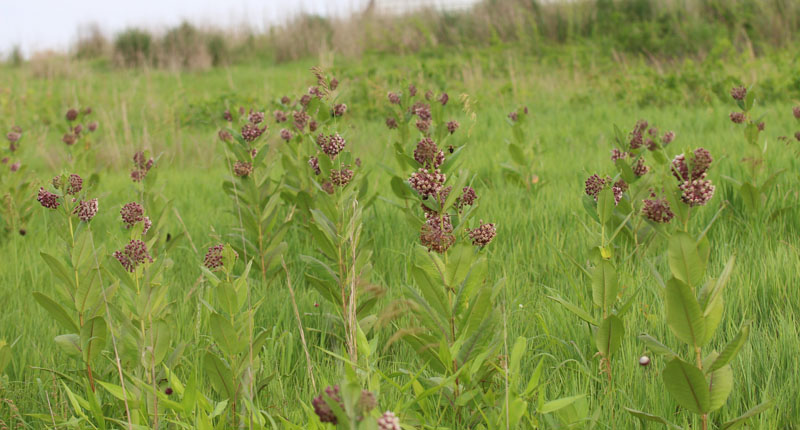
(35, 25)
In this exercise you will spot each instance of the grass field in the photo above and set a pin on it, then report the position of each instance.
(574, 105)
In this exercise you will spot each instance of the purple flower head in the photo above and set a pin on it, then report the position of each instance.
(513, 116)
(428, 95)
(616, 154)
(321, 407)
(737, 117)
(594, 184)
(280, 116)
(305, 100)
(300, 119)
(428, 154)
(668, 138)
(467, 198)
(427, 183)
(47, 199)
(618, 189)
(131, 214)
(314, 163)
(227, 115)
(286, 100)
(92, 126)
(367, 401)
(657, 210)
(452, 126)
(423, 125)
(640, 169)
(333, 84)
(640, 127)
(286, 134)
(86, 210)
(412, 90)
(421, 110)
(213, 258)
(339, 109)
(797, 136)
(443, 99)
(331, 145)
(13, 136)
(394, 98)
(436, 234)
(134, 254)
(342, 177)
(256, 117)
(388, 421)
(312, 126)
(14, 167)
(242, 169)
(483, 235)
(69, 139)
(74, 184)
(77, 129)
(72, 115)
(739, 93)
(796, 112)
(251, 132)
(225, 136)
(697, 192)
(391, 123)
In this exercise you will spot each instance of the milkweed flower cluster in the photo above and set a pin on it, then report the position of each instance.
(75, 129)
(388, 421)
(141, 166)
(133, 213)
(482, 235)
(86, 210)
(657, 210)
(47, 199)
(134, 254)
(213, 258)
(331, 144)
(323, 409)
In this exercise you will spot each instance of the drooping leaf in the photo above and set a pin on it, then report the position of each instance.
(731, 349)
(605, 284)
(56, 311)
(687, 385)
(720, 384)
(684, 260)
(755, 410)
(683, 313)
(93, 338)
(644, 416)
(608, 337)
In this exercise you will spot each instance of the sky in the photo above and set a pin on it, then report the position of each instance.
(36, 25)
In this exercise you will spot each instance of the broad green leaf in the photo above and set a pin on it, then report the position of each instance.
(684, 260)
(93, 338)
(608, 336)
(731, 349)
(683, 313)
(224, 334)
(720, 384)
(605, 205)
(60, 271)
(220, 375)
(687, 385)
(517, 352)
(70, 343)
(605, 285)
(460, 260)
(755, 410)
(56, 311)
(712, 317)
(750, 196)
